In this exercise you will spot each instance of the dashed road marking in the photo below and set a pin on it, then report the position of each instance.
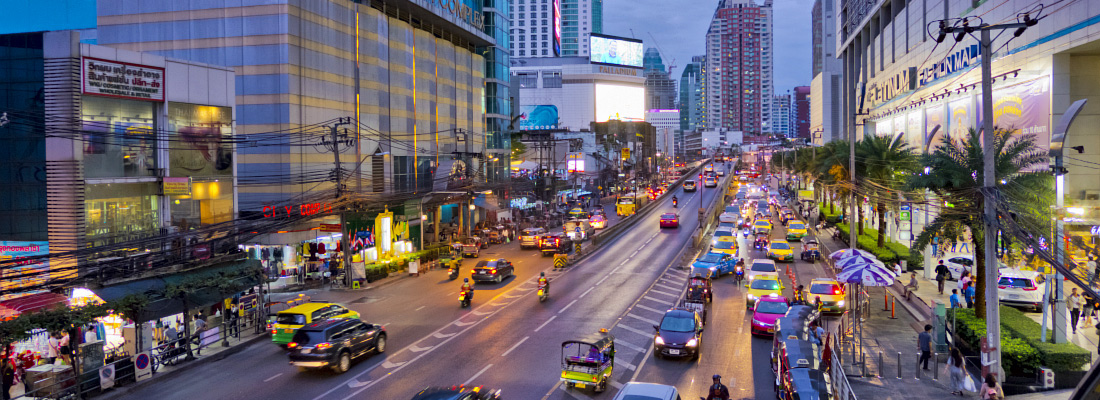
(636, 330)
(664, 293)
(391, 365)
(420, 308)
(648, 308)
(667, 287)
(630, 346)
(627, 365)
(586, 292)
(477, 375)
(653, 298)
(545, 323)
(567, 306)
(439, 335)
(604, 279)
(417, 349)
(273, 377)
(514, 346)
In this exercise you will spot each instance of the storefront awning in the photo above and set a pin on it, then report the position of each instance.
(38, 301)
(153, 288)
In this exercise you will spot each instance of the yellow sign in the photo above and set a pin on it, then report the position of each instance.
(175, 186)
(626, 153)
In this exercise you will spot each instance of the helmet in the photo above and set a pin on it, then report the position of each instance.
(465, 279)
(717, 377)
(542, 274)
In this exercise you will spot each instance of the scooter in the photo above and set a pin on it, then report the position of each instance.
(745, 232)
(674, 203)
(739, 274)
(544, 292)
(464, 298)
(452, 273)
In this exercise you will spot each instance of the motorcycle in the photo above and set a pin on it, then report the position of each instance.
(452, 273)
(464, 298)
(674, 203)
(739, 274)
(544, 292)
(745, 232)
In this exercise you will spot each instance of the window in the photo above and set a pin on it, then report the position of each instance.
(521, 53)
(544, 29)
(523, 15)
(544, 37)
(550, 79)
(544, 15)
(534, 37)
(544, 8)
(544, 52)
(527, 79)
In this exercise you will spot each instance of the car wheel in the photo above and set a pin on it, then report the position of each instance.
(343, 364)
(500, 278)
(380, 344)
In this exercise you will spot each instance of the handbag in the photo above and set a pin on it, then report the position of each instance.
(968, 384)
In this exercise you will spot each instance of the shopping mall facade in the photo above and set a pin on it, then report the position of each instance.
(915, 86)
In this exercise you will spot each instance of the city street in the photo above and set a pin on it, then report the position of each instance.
(506, 340)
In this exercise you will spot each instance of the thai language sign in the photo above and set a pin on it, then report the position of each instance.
(20, 268)
(119, 79)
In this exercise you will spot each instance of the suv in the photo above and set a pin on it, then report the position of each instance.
(555, 243)
(492, 270)
(647, 391)
(334, 343)
(529, 239)
(290, 320)
(689, 185)
(457, 392)
(1021, 288)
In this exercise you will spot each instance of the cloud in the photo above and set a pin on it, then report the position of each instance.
(680, 28)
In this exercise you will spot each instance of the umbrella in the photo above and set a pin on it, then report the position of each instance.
(868, 276)
(861, 258)
(845, 253)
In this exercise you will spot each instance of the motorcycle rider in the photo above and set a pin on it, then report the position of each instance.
(799, 296)
(718, 391)
(544, 283)
(674, 201)
(468, 288)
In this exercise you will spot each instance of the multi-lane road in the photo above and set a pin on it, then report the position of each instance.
(508, 340)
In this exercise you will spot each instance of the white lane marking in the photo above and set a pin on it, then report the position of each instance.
(416, 349)
(616, 384)
(648, 308)
(648, 297)
(627, 365)
(630, 346)
(273, 377)
(545, 323)
(643, 319)
(420, 308)
(477, 375)
(438, 335)
(624, 262)
(586, 292)
(667, 287)
(480, 313)
(354, 383)
(389, 364)
(511, 296)
(634, 253)
(567, 306)
(664, 293)
(460, 323)
(604, 279)
(514, 346)
(636, 330)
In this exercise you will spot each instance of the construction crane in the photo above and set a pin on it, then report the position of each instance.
(671, 64)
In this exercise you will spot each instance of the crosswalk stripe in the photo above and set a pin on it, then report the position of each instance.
(635, 330)
(643, 319)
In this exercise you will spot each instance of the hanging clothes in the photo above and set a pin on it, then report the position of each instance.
(320, 248)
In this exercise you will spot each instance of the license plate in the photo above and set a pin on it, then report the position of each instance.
(482, 272)
(1013, 296)
(771, 330)
(578, 384)
(306, 351)
(288, 331)
(674, 352)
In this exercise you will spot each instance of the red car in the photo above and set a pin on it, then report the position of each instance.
(670, 220)
(768, 309)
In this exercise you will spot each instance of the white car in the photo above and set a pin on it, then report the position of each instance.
(647, 391)
(1021, 288)
(730, 215)
(721, 172)
(958, 264)
(760, 267)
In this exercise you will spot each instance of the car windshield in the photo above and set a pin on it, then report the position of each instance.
(780, 246)
(722, 233)
(308, 337)
(1017, 283)
(763, 267)
(765, 284)
(731, 209)
(824, 288)
(668, 216)
(761, 223)
(711, 258)
(725, 225)
(771, 307)
(723, 245)
(796, 226)
(678, 324)
(290, 319)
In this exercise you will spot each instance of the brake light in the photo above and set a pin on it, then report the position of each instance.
(493, 271)
(1002, 287)
(322, 346)
(274, 331)
(473, 271)
(291, 345)
(836, 291)
(1031, 288)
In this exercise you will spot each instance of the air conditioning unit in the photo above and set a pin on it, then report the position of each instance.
(1046, 377)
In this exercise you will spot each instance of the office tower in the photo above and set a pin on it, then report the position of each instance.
(739, 66)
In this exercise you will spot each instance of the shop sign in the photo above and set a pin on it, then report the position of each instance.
(617, 70)
(905, 214)
(331, 228)
(882, 91)
(175, 186)
(1095, 230)
(249, 301)
(956, 61)
(123, 80)
(19, 266)
(460, 10)
(306, 209)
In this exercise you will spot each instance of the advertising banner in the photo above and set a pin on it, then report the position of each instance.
(123, 80)
(176, 186)
(615, 50)
(18, 270)
(960, 114)
(201, 135)
(1023, 108)
(884, 126)
(538, 117)
(933, 116)
(557, 27)
(914, 134)
(899, 125)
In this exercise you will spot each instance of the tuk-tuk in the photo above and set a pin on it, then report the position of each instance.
(790, 353)
(811, 251)
(588, 361)
(761, 241)
(495, 237)
(702, 286)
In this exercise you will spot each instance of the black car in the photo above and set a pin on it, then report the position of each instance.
(492, 270)
(458, 392)
(679, 335)
(555, 243)
(334, 343)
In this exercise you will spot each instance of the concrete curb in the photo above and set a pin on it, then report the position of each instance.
(126, 390)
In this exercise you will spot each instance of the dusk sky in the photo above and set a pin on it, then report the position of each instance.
(680, 28)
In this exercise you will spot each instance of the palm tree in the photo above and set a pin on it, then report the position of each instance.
(956, 175)
(831, 168)
(885, 162)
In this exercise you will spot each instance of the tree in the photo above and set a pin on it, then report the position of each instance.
(886, 161)
(956, 175)
(518, 148)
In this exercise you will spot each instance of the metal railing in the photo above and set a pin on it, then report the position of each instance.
(842, 389)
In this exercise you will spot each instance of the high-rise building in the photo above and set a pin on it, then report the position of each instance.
(498, 104)
(667, 123)
(825, 117)
(693, 95)
(739, 67)
(552, 28)
(660, 89)
(800, 113)
(781, 115)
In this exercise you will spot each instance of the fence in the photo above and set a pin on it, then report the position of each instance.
(842, 389)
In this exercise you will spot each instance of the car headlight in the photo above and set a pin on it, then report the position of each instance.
(840, 303)
(751, 297)
(692, 343)
(751, 277)
(658, 340)
(714, 242)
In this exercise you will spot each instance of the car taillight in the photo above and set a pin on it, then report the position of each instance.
(291, 345)
(473, 271)
(322, 346)
(1002, 287)
(493, 271)
(1031, 288)
(836, 291)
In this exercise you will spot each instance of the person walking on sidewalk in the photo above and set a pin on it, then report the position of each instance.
(1090, 266)
(956, 371)
(1090, 308)
(969, 294)
(924, 341)
(990, 390)
(1074, 302)
(941, 275)
(955, 299)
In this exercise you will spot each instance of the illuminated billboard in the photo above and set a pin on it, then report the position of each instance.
(615, 50)
(557, 27)
(621, 102)
(538, 117)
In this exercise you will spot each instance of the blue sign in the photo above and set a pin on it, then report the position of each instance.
(538, 117)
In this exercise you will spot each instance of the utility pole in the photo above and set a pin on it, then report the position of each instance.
(991, 349)
(339, 177)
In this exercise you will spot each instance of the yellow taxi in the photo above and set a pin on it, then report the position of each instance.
(831, 293)
(288, 321)
(763, 286)
(762, 223)
(780, 250)
(796, 230)
(725, 245)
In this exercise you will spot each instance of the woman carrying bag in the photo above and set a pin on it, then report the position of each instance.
(990, 390)
(957, 372)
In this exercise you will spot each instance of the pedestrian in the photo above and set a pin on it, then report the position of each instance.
(64, 350)
(912, 286)
(1090, 308)
(935, 246)
(969, 296)
(52, 348)
(1074, 302)
(924, 342)
(232, 314)
(990, 390)
(1091, 267)
(941, 275)
(963, 279)
(7, 376)
(956, 371)
(200, 327)
(170, 334)
(90, 335)
(955, 299)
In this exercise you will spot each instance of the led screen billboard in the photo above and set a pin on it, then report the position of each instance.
(621, 102)
(538, 117)
(557, 27)
(615, 50)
